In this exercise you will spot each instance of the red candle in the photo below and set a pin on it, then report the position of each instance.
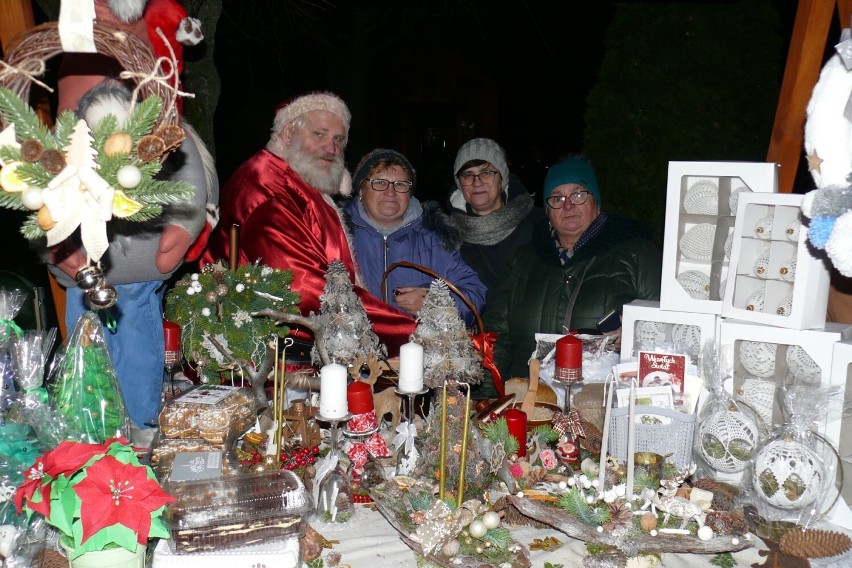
(569, 359)
(359, 397)
(171, 334)
(517, 422)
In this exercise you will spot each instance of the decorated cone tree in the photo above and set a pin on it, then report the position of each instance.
(86, 391)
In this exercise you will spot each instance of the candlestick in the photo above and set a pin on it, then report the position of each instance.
(609, 388)
(411, 367)
(333, 391)
(442, 455)
(516, 420)
(631, 439)
(463, 457)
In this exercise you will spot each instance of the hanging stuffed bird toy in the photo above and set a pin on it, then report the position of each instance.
(828, 144)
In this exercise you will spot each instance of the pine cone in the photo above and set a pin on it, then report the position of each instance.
(620, 514)
(723, 496)
(814, 543)
(150, 148)
(724, 522)
(511, 515)
(31, 150)
(593, 440)
(48, 558)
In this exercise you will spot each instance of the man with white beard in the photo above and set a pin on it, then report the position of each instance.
(281, 198)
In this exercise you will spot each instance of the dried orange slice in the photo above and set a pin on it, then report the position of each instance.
(123, 206)
(9, 179)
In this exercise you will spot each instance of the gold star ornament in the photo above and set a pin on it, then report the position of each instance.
(814, 161)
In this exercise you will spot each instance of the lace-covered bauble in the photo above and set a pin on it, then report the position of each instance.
(687, 336)
(726, 440)
(763, 228)
(758, 358)
(787, 474)
(702, 198)
(722, 286)
(792, 230)
(696, 284)
(802, 365)
(759, 395)
(785, 306)
(757, 301)
(734, 198)
(697, 242)
(761, 264)
(650, 331)
(787, 270)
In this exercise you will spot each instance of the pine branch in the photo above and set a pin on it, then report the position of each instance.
(546, 434)
(144, 116)
(498, 431)
(574, 502)
(30, 228)
(162, 192)
(27, 123)
(10, 154)
(64, 127)
(11, 201)
(147, 213)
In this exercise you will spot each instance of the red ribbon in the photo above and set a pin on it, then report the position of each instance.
(484, 343)
(562, 424)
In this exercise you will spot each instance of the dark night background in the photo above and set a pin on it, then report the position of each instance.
(631, 84)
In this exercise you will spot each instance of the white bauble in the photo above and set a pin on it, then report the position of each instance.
(128, 176)
(32, 198)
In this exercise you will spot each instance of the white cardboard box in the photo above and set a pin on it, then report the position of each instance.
(644, 325)
(773, 278)
(839, 431)
(701, 200)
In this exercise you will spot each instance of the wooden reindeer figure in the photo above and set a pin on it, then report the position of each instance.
(666, 501)
(384, 402)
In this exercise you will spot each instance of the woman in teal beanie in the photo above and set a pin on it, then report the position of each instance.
(579, 266)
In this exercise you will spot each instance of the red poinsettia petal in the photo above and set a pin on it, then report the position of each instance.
(33, 477)
(117, 493)
(68, 457)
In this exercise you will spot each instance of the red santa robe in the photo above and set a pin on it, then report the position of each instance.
(287, 224)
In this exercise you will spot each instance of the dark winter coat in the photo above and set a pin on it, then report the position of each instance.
(426, 237)
(540, 295)
(491, 261)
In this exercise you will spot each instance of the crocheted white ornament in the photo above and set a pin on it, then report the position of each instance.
(702, 198)
(792, 230)
(650, 331)
(756, 302)
(787, 270)
(722, 285)
(729, 244)
(787, 474)
(688, 336)
(696, 284)
(761, 264)
(802, 365)
(697, 242)
(726, 440)
(758, 358)
(763, 228)
(759, 395)
(735, 197)
(785, 306)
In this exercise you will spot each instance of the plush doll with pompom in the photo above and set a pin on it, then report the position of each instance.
(828, 144)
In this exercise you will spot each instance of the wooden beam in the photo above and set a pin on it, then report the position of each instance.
(804, 61)
(15, 17)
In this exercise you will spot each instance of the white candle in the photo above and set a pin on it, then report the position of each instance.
(631, 439)
(411, 367)
(609, 388)
(333, 391)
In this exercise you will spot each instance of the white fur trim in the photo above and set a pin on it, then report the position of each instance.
(826, 130)
(359, 280)
(189, 31)
(808, 203)
(839, 245)
(346, 184)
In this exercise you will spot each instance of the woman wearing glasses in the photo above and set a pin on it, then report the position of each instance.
(494, 210)
(579, 266)
(390, 225)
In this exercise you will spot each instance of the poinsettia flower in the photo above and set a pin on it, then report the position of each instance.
(117, 493)
(69, 457)
(33, 478)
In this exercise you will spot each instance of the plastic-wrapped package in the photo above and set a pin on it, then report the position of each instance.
(795, 474)
(86, 390)
(10, 304)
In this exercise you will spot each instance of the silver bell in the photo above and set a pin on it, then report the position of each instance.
(89, 277)
(102, 297)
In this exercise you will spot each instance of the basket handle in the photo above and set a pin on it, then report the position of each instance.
(433, 274)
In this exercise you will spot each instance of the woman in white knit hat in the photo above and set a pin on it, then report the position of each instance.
(494, 210)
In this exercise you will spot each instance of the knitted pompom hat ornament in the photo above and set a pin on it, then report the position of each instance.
(362, 170)
(487, 150)
(572, 170)
(290, 111)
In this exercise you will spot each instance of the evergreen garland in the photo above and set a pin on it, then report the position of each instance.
(151, 193)
(574, 502)
(498, 431)
(219, 303)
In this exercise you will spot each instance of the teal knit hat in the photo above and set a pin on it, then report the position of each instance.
(572, 170)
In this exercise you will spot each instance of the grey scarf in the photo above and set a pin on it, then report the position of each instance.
(493, 228)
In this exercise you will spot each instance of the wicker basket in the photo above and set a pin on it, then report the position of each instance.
(43, 42)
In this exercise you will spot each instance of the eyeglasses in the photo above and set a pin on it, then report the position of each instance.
(487, 176)
(380, 184)
(577, 198)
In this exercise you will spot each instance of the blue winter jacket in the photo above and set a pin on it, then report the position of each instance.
(426, 236)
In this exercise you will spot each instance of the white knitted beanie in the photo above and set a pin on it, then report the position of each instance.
(483, 149)
(314, 101)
